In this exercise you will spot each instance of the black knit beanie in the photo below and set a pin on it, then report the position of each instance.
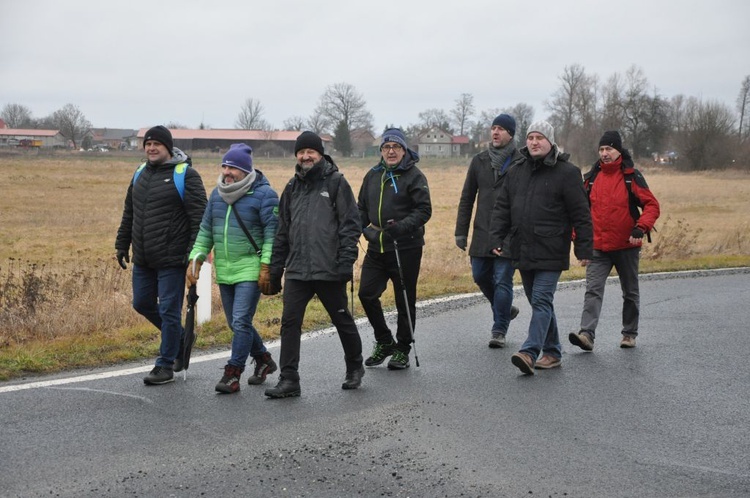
(612, 139)
(160, 134)
(308, 140)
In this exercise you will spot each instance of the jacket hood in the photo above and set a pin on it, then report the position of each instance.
(178, 157)
(409, 160)
(260, 179)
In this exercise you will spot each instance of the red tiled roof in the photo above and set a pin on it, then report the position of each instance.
(31, 132)
(460, 139)
(238, 135)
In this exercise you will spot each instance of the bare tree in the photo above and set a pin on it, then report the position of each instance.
(342, 102)
(72, 124)
(251, 116)
(462, 111)
(743, 103)
(295, 123)
(437, 118)
(17, 116)
(564, 100)
(317, 123)
(706, 138)
(175, 125)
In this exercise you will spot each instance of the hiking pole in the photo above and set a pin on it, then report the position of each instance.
(406, 299)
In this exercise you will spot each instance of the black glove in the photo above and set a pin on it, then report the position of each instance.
(637, 233)
(372, 235)
(461, 241)
(274, 285)
(345, 274)
(394, 229)
(122, 258)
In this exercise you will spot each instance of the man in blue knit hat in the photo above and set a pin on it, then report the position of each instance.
(394, 205)
(493, 274)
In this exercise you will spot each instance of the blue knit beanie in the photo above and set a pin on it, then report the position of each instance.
(239, 156)
(507, 122)
(394, 135)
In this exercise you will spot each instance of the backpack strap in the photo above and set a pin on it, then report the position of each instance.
(178, 177)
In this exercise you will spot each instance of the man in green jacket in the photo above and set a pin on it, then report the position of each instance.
(243, 200)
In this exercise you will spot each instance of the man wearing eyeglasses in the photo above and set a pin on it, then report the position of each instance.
(493, 274)
(394, 205)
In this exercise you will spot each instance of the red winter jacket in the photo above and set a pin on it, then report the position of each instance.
(610, 208)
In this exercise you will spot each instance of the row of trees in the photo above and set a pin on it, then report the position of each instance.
(706, 134)
(71, 122)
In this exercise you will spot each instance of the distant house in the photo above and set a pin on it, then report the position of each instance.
(11, 137)
(264, 143)
(436, 142)
(112, 138)
(2, 124)
(364, 143)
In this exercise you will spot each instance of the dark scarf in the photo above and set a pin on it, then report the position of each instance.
(498, 157)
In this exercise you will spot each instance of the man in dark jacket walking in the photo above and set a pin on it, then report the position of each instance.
(493, 275)
(316, 245)
(394, 203)
(540, 204)
(163, 210)
(618, 235)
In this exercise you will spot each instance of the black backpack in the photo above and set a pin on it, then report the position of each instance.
(635, 204)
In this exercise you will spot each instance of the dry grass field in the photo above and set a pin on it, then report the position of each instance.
(65, 303)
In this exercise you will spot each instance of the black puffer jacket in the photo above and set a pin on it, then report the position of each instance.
(317, 237)
(482, 186)
(539, 205)
(161, 226)
(400, 194)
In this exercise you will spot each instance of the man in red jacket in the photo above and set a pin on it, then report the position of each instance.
(618, 235)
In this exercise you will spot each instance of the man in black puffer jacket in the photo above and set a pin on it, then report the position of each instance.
(163, 210)
(541, 202)
(315, 249)
(394, 203)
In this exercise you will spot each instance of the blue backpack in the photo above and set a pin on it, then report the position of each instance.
(178, 177)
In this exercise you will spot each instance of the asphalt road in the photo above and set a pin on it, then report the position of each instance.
(670, 418)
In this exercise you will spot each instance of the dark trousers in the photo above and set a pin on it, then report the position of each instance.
(297, 294)
(377, 270)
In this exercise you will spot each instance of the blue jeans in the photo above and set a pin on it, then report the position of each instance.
(494, 276)
(158, 296)
(540, 286)
(240, 302)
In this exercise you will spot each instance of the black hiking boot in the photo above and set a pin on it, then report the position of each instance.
(353, 379)
(380, 353)
(230, 381)
(399, 360)
(286, 388)
(264, 365)
(158, 376)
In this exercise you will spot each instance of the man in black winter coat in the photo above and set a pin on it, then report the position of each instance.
(315, 249)
(394, 204)
(163, 210)
(493, 275)
(541, 202)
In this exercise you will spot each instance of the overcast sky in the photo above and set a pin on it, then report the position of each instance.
(139, 63)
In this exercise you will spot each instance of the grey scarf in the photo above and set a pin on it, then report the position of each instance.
(498, 155)
(231, 192)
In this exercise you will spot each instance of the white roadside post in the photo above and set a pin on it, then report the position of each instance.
(203, 308)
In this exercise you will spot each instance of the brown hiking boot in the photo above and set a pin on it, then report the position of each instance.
(264, 365)
(230, 381)
(524, 363)
(582, 339)
(628, 341)
(547, 361)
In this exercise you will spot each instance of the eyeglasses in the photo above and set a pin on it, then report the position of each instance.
(391, 147)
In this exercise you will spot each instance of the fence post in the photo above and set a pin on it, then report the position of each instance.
(203, 308)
